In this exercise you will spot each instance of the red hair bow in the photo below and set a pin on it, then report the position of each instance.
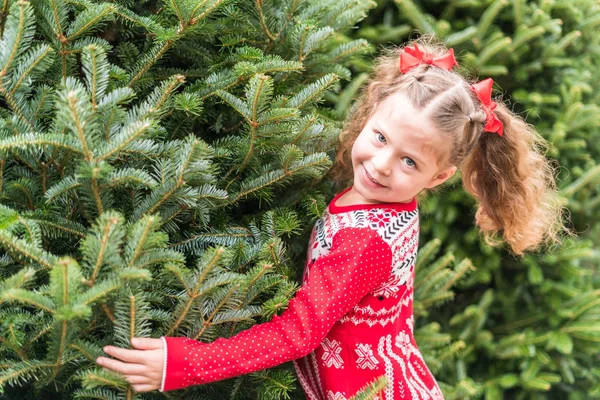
(412, 57)
(483, 90)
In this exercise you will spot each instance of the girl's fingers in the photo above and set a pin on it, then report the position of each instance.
(146, 343)
(118, 366)
(145, 388)
(132, 356)
(138, 380)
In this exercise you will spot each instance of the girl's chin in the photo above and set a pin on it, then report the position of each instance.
(367, 196)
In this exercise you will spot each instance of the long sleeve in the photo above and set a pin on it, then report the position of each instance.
(359, 261)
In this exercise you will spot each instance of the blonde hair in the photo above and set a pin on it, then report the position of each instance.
(509, 176)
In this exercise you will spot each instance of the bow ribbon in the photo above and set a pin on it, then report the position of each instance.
(483, 90)
(412, 57)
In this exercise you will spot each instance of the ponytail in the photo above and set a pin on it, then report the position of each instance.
(514, 186)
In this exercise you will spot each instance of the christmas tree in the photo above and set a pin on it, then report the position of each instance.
(159, 163)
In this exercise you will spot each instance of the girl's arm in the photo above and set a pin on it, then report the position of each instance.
(358, 262)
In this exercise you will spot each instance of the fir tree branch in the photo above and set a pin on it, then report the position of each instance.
(96, 192)
(30, 230)
(17, 110)
(23, 29)
(193, 293)
(100, 258)
(22, 370)
(261, 17)
(3, 14)
(208, 322)
(147, 225)
(307, 126)
(436, 298)
(178, 12)
(276, 177)
(39, 139)
(515, 325)
(173, 83)
(61, 348)
(17, 349)
(22, 189)
(210, 9)
(96, 71)
(199, 237)
(289, 17)
(434, 269)
(83, 351)
(72, 104)
(42, 332)
(132, 311)
(98, 377)
(164, 198)
(108, 313)
(59, 226)
(97, 17)
(262, 271)
(34, 299)
(453, 349)
(55, 14)
(27, 250)
(459, 272)
(26, 73)
(313, 91)
(371, 390)
(166, 45)
(180, 275)
(188, 159)
(127, 135)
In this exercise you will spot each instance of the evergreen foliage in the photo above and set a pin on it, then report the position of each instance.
(524, 329)
(158, 163)
(161, 165)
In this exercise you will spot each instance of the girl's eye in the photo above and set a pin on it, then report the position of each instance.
(380, 137)
(410, 162)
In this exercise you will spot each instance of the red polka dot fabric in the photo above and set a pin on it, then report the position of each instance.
(349, 323)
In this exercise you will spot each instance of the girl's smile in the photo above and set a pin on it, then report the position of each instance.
(370, 180)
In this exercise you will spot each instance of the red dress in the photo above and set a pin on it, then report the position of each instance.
(349, 323)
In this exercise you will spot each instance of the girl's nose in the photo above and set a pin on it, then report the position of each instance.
(382, 163)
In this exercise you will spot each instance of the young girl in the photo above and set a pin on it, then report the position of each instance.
(416, 124)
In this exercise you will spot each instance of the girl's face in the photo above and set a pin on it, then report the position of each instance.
(394, 156)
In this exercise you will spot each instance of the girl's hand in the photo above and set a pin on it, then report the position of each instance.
(142, 368)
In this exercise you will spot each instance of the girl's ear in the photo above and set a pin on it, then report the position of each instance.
(441, 177)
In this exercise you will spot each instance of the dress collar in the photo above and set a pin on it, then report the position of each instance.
(335, 209)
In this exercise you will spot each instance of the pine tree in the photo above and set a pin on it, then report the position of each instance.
(160, 167)
(522, 329)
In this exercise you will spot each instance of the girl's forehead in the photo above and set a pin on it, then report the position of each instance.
(397, 113)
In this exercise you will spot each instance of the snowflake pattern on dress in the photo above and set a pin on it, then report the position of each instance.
(365, 359)
(331, 353)
(335, 396)
(388, 289)
(379, 219)
(403, 343)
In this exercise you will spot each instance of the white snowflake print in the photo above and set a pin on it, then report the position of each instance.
(387, 290)
(365, 356)
(335, 396)
(378, 220)
(331, 353)
(403, 342)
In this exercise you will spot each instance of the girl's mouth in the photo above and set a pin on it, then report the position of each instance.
(372, 180)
